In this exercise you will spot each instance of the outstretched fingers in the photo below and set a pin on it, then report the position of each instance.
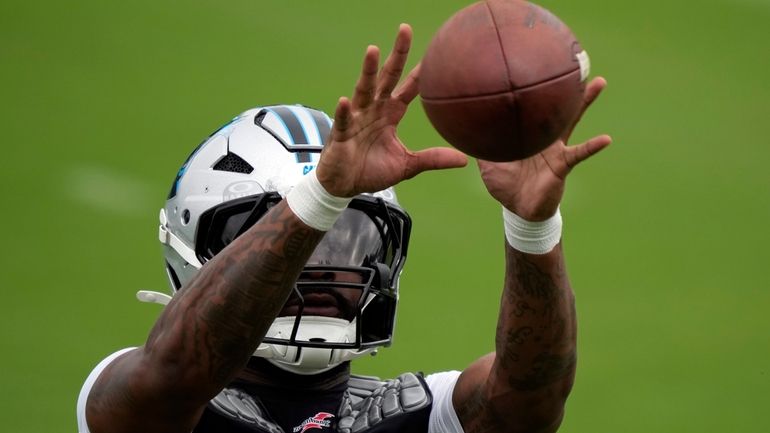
(409, 89)
(394, 65)
(367, 82)
(574, 155)
(434, 158)
(342, 120)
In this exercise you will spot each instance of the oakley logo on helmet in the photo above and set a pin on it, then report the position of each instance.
(241, 189)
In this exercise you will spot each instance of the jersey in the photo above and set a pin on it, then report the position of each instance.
(408, 403)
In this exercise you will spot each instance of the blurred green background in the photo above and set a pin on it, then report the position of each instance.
(665, 232)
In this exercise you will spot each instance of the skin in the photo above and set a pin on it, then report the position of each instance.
(206, 335)
(524, 384)
(328, 301)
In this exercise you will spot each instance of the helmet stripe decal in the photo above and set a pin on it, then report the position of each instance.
(296, 131)
(297, 125)
(323, 125)
(303, 157)
(295, 128)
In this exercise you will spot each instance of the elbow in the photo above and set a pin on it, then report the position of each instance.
(175, 379)
(524, 409)
(533, 416)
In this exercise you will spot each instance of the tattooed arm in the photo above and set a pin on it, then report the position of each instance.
(524, 384)
(207, 333)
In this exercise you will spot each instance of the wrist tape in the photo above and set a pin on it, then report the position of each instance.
(314, 205)
(532, 237)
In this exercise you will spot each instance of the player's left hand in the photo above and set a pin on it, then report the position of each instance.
(364, 153)
(532, 188)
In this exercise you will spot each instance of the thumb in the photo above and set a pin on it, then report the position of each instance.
(574, 155)
(434, 158)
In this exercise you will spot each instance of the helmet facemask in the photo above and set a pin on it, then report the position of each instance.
(343, 303)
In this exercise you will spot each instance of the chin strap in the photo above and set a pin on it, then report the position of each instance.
(151, 297)
(311, 360)
(170, 239)
(307, 360)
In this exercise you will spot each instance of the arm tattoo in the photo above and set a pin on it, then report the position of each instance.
(526, 280)
(524, 384)
(547, 368)
(216, 322)
(536, 329)
(477, 416)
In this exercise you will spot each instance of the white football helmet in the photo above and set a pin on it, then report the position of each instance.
(344, 302)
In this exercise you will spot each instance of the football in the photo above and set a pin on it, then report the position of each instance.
(502, 79)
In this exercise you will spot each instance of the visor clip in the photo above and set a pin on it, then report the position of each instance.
(381, 276)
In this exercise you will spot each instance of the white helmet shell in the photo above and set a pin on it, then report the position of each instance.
(263, 150)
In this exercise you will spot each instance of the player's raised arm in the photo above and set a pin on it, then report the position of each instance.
(214, 323)
(206, 334)
(523, 386)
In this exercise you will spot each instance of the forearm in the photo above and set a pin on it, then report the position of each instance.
(214, 324)
(536, 336)
(522, 386)
(207, 333)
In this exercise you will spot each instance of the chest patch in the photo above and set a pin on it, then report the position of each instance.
(321, 420)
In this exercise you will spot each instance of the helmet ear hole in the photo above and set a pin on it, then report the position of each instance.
(186, 216)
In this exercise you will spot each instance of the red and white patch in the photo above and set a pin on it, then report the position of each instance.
(319, 421)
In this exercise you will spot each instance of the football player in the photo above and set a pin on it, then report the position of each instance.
(284, 243)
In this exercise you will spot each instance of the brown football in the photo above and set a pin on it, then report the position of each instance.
(502, 79)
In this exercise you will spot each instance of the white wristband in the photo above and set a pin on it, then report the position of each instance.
(532, 237)
(314, 205)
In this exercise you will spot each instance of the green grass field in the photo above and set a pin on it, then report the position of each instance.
(665, 232)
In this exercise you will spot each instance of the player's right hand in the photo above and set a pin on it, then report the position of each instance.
(364, 153)
(532, 188)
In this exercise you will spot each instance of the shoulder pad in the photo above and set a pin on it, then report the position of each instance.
(370, 401)
(240, 407)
